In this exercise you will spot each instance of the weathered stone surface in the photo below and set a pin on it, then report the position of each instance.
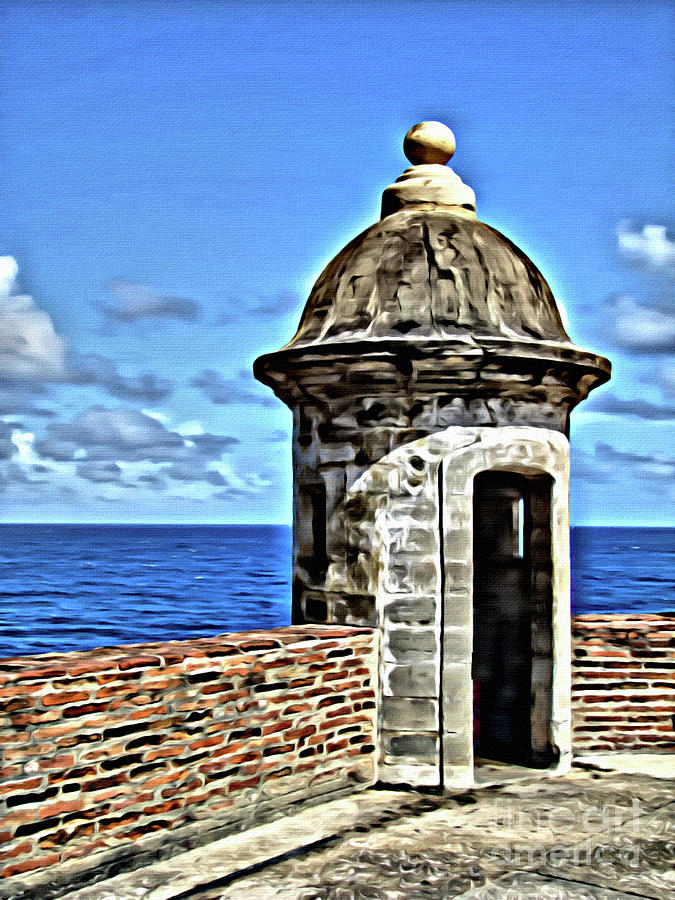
(410, 610)
(430, 273)
(430, 351)
(457, 642)
(400, 713)
(418, 745)
(589, 834)
(410, 645)
(418, 680)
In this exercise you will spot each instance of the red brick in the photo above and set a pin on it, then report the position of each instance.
(221, 805)
(17, 850)
(116, 690)
(160, 683)
(218, 687)
(164, 752)
(29, 865)
(89, 667)
(36, 718)
(239, 758)
(298, 734)
(55, 762)
(246, 783)
(52, 731)
(108, 751)
(21, 690)
(117, 821)
(28, 751)
(58, 809)
(337, 745)
(132, 800)
(161, 808)
(25, 784)
(207, 742)
(138, 662)
(138, 700)
(191, 785)
(60, 698)
(275, 728)
(147, 711)
(63, 835)
(45, 673)
(302, 682)
(14, 737)
(295, 708)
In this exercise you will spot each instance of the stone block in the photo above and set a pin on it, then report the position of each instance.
(397, 772)
(411, 610)
(411, 575)
(456, 680)
(458, 575)
(459, 607)
(458, 537)
(418, 745)
(457, 749)
(457, 696)
(353, 609)
(399, 641)
(405, 713)
(339, 452)
(457, 643)
(410, 538)
(420, 510)
(419, 680)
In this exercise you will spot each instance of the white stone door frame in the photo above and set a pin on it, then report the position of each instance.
(406, 527)
(526, 451)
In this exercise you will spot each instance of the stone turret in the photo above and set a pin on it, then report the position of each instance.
(429, 333)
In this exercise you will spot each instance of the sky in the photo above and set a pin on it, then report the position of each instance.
(176, 175)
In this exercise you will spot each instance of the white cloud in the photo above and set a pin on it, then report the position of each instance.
(223, 391)
(649, 246)
(641, 328)
(651, 466)
(190, 428)
(157, 415)
(140, 301)
(635, 406)
(9, 269)
(32, 355)
(24, 445)
(30, 348)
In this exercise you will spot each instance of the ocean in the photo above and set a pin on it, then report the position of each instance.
(76, 587)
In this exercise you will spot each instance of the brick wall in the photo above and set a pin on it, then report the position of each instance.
(104, 748)
(108, 750)
(622, 682)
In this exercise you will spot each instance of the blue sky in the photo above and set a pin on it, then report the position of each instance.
(176, 175)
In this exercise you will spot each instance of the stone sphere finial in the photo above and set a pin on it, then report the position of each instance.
(429, 142)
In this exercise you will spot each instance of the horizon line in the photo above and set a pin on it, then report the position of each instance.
(290, 524)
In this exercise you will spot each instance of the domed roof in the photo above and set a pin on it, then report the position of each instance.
(429, 273)
(428, 281)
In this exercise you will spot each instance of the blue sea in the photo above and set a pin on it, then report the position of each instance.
(76, 587)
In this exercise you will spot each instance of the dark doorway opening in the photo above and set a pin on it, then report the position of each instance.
(512, 663)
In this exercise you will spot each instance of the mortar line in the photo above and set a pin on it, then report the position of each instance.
(441, 637)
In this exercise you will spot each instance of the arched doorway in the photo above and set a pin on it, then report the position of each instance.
(410, 568)
(512, 661)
